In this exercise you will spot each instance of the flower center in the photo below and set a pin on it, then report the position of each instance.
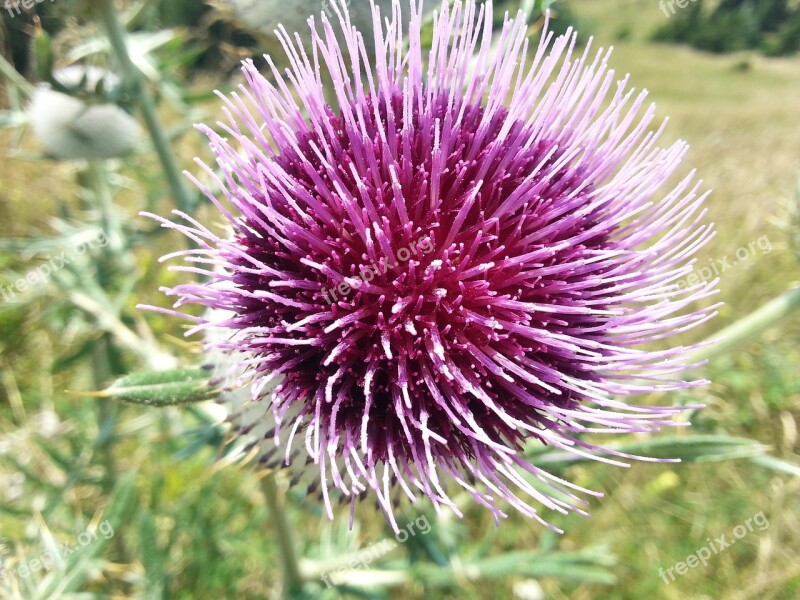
(422, 243)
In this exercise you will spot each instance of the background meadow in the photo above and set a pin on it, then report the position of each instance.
(182, 522)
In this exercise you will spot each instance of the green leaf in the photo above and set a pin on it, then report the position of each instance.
(777, 464)
(153, 556)
(72, 573)
(163, 388)
(686, 448)
(562, 565)
(587, 566)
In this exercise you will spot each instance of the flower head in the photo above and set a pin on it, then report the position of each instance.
(465, 256)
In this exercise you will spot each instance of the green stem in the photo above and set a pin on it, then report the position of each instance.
(750, 327)
(109, 222)
(9, 72)
(116, 35)
(107, 414)
(292, 580)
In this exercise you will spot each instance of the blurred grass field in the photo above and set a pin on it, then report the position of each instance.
(741, 115)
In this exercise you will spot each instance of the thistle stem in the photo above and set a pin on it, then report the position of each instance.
(750, 327)
(116, 35)
(106, 414)
(8, 71)
(109, 222)
(292, 580)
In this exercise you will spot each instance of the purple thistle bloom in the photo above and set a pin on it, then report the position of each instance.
(464, 257)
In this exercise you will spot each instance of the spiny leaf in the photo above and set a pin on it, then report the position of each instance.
(777, 464)
(687, 448)
(163, 388)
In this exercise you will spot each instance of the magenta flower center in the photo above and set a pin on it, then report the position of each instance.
(443, 252)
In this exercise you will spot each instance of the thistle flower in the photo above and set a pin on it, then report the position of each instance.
(535, 182)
